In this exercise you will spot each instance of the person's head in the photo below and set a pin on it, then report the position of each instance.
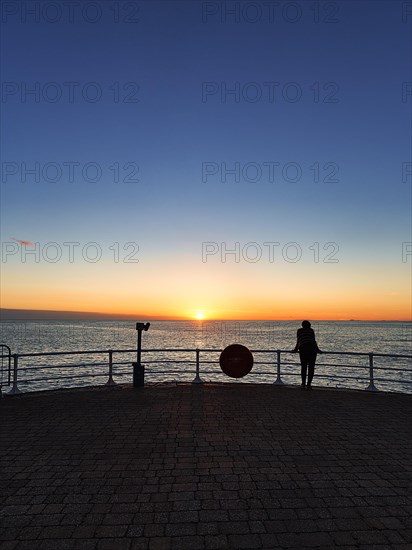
(305, 324)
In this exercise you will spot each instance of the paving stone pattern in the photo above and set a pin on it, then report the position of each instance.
(212, 466)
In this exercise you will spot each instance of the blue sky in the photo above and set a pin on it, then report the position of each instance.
(361, 60)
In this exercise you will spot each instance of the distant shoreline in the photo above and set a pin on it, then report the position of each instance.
(55, 315)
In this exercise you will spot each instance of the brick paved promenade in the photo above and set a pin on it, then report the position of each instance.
(213, 466)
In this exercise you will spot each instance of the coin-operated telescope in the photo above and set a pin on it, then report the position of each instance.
(138, 368)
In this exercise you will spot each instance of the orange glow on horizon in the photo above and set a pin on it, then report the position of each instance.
(206, 292)
(277, 308)
(224, 315)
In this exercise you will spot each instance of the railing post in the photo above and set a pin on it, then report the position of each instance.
(371, 386)
(110, 382)
(15, 390)
(278, 381)
(197, 379)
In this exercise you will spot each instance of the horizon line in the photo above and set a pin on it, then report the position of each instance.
(55, 315)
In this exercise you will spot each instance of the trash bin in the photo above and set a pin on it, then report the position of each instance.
(138, 375)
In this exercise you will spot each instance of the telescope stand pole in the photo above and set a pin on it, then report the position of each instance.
(138, 368)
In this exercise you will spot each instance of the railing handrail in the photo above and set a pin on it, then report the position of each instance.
(207, 350)
(8, 356)
(276, 352)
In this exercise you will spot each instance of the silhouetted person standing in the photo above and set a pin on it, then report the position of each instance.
(308, 349)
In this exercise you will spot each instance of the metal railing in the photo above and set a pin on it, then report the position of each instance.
(5, 365)
(198, 358)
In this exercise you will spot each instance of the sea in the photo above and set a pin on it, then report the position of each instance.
(168, 352)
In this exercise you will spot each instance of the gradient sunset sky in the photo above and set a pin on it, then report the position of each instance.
(160, 136)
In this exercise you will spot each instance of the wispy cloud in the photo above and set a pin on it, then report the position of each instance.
(22, 241)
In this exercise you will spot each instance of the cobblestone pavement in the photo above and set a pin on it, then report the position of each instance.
(205, 466)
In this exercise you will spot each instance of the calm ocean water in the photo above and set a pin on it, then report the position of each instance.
(331, 370)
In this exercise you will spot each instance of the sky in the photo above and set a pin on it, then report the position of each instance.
(217, 160)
